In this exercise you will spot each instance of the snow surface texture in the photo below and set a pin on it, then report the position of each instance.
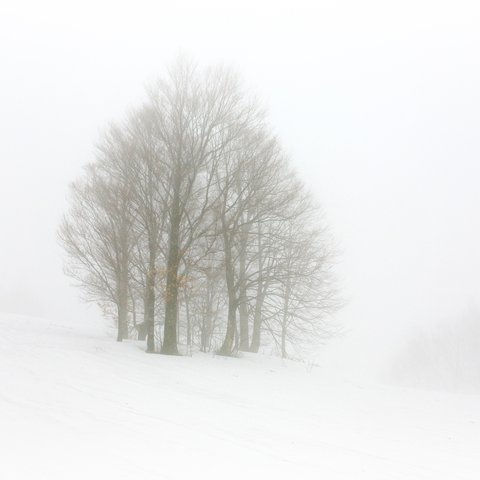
(74, 404)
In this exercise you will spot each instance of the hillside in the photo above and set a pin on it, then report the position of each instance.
(75, 404)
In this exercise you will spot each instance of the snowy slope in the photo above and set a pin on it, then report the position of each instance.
(76, 405)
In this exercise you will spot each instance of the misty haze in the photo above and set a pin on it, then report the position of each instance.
(240, 240)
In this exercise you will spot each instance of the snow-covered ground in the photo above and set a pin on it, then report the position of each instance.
(76, 405)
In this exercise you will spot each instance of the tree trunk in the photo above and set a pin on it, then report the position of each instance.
(122, 310)
(242, 307)
(150, 301)
(171, 292)
(242, 294)
(257, 321)
(171, 306)
(206, 332)
(284, 347)
(260, 297)
(122, 323)
(227, 347)
(142, 331)
(189, 326)
(286, 303)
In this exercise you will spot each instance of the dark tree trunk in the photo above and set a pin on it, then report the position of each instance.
(171, 307)
(206, 332)
(122, 305)
(243, 318)
(203, 336)
(142, 331)
(284, 343)
(260, 297)
(150, 301)
(169, 346)
(242, 290)
(122, 329)
(189, 326)
(242, 307)
(286, 304)
(227, 347)
(257, 322)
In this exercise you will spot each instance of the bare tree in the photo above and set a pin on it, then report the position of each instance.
(264, 260)
(303, 294)
(98, 234)
(252, 180)
(191, 206)
(195, 112)
(147, 170)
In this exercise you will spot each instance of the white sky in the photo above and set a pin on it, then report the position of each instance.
(377, 102)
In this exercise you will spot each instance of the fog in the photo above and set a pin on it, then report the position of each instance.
(376, 102)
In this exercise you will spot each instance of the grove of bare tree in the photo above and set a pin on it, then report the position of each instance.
(190, 229)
